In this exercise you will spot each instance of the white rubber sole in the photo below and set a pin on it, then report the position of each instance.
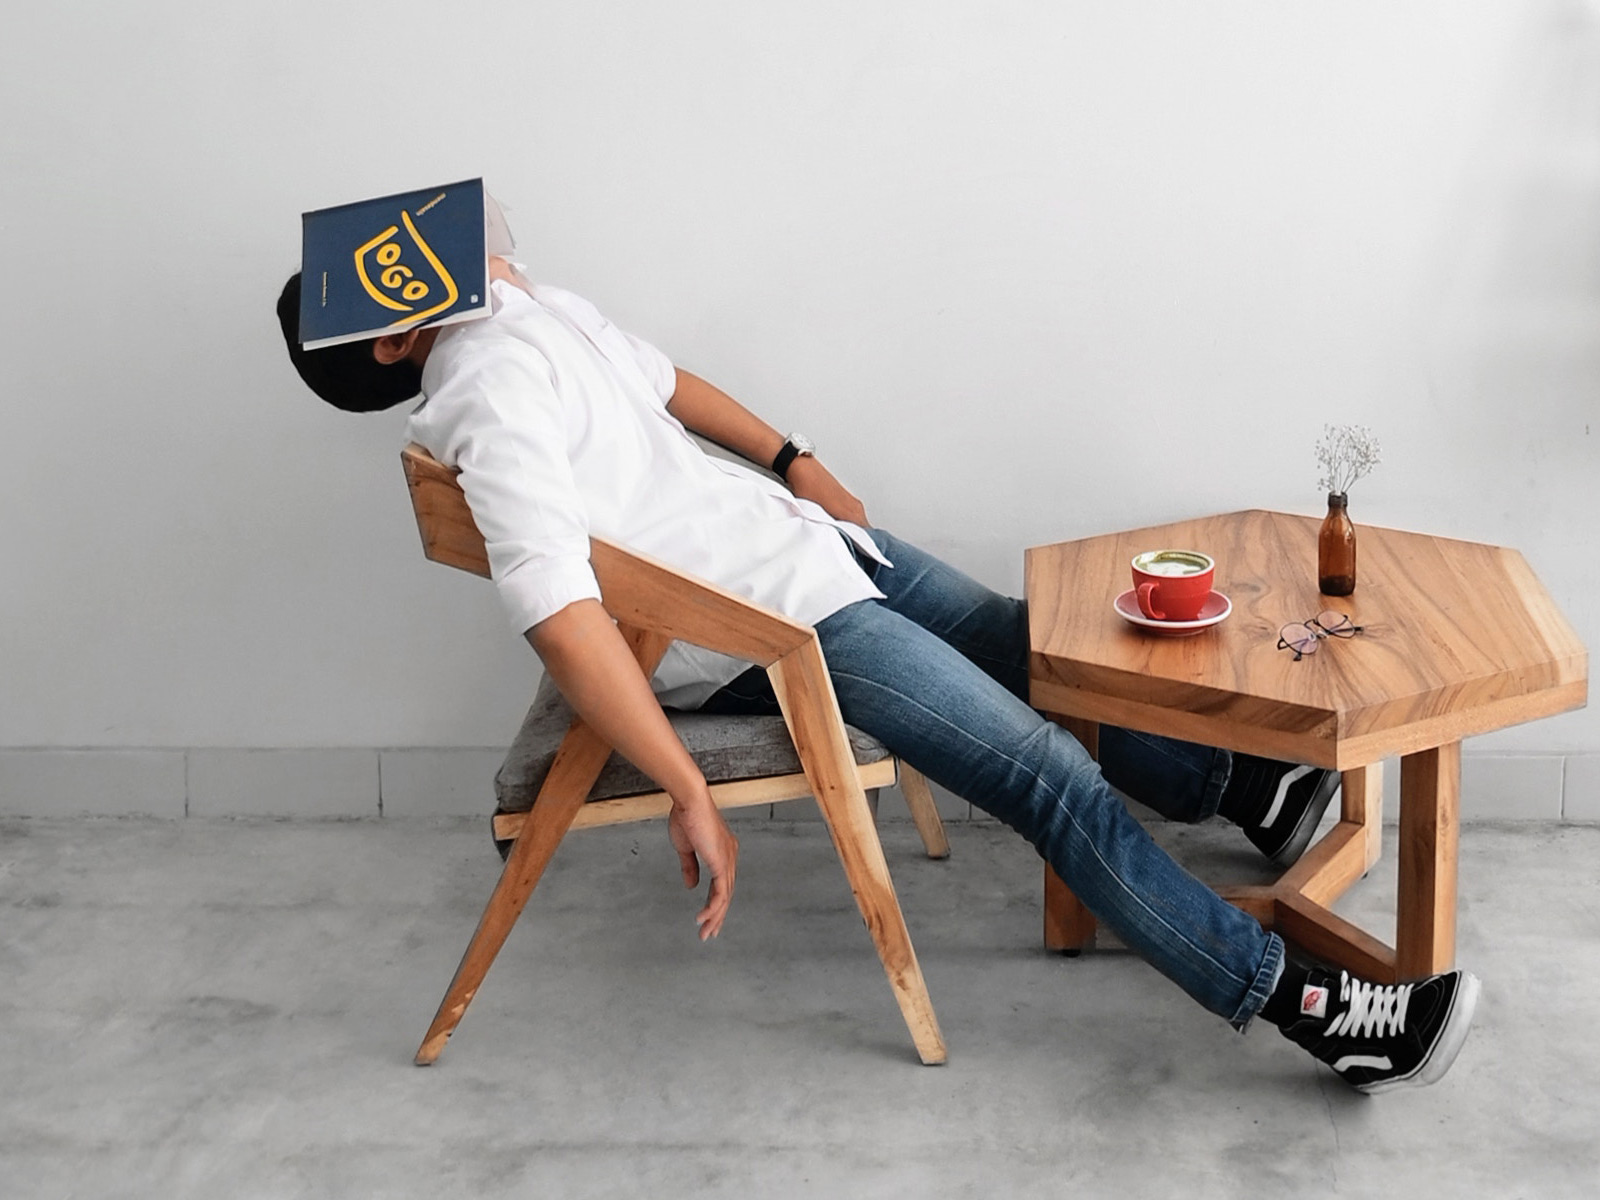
(1445, 1048)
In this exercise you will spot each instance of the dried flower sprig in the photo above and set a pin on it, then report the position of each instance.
(1345, 453)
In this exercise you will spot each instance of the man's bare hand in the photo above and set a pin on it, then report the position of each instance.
(810, 480)
(698, 834)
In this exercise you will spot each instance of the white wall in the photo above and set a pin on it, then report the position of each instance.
(988, 255)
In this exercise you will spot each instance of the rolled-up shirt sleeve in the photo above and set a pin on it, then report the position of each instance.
(502, 423)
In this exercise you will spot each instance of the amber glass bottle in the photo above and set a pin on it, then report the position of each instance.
(1336, 550)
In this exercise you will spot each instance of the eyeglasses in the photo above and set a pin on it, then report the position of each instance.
(1303, 636)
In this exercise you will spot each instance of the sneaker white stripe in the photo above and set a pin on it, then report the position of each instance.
(1283, 790)
(1381, 1061)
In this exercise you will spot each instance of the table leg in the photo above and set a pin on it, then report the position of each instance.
(1068, 925)
(1361, 804)
(1430, 793)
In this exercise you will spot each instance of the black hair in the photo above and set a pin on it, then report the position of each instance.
(346, 375)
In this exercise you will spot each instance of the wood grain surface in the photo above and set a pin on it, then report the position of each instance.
(1459, 638)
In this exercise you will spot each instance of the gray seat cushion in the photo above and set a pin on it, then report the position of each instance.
(725, 748)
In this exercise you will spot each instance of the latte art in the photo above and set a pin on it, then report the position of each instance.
(1172, 563)
(1165, 567)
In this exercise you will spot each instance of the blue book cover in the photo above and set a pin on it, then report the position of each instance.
(387, 265)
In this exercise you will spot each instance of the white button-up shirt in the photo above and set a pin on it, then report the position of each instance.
(558, 422)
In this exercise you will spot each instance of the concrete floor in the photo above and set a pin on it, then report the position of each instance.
(228, 1009)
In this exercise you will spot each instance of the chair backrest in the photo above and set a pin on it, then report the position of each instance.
(449, 534)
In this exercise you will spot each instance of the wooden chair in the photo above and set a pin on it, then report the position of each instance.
(654, 604)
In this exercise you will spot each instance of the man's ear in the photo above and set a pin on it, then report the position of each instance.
(392, 347)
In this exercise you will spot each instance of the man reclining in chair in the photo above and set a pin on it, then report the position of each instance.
(562, 425)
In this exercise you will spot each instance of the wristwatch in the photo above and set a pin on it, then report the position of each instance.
(795, 445)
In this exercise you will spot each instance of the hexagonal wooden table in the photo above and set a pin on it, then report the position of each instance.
(1459, 639)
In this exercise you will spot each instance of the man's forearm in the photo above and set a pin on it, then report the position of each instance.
(712, 413)
(586, 655)
(589, 659)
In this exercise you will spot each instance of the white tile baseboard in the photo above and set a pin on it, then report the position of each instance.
(438, 782)
(73, 783)
(283, 783)
(456, 781)
(1581, 788)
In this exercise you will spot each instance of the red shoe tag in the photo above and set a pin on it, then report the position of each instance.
(1313, 1001)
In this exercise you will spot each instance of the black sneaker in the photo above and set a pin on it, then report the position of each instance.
(1377, 1037)
(1278, 804)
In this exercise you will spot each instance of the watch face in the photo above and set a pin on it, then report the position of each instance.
(802, 443)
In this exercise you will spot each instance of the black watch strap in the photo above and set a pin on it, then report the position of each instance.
(780, 465)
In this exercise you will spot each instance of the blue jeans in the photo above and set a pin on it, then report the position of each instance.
(938, 672)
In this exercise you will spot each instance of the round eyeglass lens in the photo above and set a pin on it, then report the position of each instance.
(1335, 623)
(1298, 638)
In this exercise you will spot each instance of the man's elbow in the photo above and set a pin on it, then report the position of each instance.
(567, 629)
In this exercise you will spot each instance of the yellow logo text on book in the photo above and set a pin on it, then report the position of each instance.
(414, 285)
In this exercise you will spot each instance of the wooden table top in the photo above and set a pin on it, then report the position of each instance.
(1459, 639)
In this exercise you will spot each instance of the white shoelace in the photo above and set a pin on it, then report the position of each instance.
(1371, 1008)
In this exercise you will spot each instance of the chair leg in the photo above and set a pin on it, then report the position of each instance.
(577, 765)
(573, 773)
(919, 799)
(811, 710)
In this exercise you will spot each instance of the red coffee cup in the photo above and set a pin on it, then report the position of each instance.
(1172, 585)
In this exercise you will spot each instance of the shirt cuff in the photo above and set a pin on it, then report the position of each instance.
(536, 591)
